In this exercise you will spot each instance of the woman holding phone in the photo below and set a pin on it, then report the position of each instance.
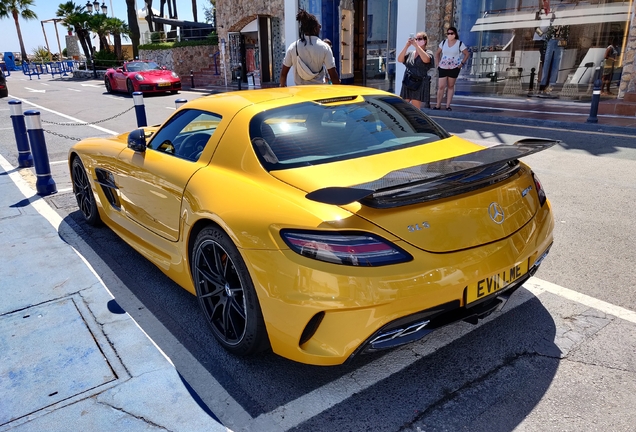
(417, 63)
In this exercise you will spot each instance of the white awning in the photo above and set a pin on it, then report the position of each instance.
(572, 16)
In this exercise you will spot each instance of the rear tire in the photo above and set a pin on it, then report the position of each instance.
(226, 294)
(83, 193)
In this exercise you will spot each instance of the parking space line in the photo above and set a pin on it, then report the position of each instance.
(537, 285)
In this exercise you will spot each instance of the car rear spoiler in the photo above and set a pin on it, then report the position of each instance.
(434, 172)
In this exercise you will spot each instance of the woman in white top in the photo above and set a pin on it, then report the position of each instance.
(451, 56)
(309, 55)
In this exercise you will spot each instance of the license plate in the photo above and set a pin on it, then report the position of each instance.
(164, 84)
(496, 282)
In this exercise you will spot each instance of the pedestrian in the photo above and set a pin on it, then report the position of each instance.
(417, 63)
(327, 77)
(451, 56)
(608, 65)
(311, 57)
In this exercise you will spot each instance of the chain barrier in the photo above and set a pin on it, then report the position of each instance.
(87, 123)
(63, 136)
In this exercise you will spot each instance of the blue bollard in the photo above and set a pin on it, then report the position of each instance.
(596, 96)
(25, 160)
(180, 102)
(140, 109)
(45, 185)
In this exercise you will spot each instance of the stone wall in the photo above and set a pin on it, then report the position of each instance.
(232, 16)
(184, 59)
(628, 78)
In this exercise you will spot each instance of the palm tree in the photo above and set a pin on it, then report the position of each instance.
(74, 18)
(98, 25)
(131, 7)
(117, 28)
(18, 8)
(194, 10)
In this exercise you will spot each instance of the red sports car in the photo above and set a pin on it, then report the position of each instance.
(143, 76)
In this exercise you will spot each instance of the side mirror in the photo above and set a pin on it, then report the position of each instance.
(137, 140)
(163, 68)
(120, 70)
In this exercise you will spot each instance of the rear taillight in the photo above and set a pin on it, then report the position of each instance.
(540, 191)
(346, 248)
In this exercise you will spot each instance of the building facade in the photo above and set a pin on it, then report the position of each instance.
(546, 48)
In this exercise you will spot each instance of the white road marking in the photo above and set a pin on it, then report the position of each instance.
(171, 108)
(44, 84)
(75, 90)
(60, 191)
(34, 90)
(92, 85)
(537, 286)
(58, 162)
(69, 117)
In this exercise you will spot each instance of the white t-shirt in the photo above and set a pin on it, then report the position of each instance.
(452, 56)
(315, 55)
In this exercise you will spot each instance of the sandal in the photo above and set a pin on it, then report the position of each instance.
(449, 109)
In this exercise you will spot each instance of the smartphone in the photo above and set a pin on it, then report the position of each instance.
(412, 36)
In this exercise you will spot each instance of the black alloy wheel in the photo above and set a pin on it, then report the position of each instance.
(84, 193)
(226, 293)
(109, 88)
(130, 87)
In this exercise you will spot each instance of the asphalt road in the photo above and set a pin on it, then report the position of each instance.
(559, 357)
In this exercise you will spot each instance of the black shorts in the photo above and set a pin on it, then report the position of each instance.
(450, 73)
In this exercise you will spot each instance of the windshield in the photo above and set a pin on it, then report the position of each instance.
(311, 134)
(142, 66)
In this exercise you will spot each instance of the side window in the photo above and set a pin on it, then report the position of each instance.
(186, 134)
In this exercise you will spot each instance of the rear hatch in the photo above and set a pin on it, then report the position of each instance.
(441, 206)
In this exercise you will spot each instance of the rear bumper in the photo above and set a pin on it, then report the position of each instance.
(325, 314)
(414, 327)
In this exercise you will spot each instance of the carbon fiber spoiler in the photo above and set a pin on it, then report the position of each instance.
(459, 169)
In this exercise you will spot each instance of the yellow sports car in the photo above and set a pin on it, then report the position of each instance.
(321, 221)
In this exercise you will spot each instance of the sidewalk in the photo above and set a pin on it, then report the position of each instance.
(70, 357)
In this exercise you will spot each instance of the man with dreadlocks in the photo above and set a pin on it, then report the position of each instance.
(309, 55)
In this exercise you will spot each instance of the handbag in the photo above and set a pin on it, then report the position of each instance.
(412, 82)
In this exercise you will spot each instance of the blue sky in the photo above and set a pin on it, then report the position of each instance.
(33, 36)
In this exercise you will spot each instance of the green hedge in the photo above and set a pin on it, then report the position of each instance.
(167, 45)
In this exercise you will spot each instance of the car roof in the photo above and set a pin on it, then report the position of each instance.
(232, 102)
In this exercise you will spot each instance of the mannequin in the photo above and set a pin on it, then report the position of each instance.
(555, 40)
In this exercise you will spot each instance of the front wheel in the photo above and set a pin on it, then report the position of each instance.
(130, 87)
(226, 294)
(84, 193)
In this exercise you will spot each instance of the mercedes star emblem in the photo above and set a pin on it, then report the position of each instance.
(496, 213)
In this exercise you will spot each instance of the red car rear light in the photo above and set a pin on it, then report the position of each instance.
(346, 248)
(540, 191)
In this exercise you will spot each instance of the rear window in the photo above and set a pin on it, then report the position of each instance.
(311, 133)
